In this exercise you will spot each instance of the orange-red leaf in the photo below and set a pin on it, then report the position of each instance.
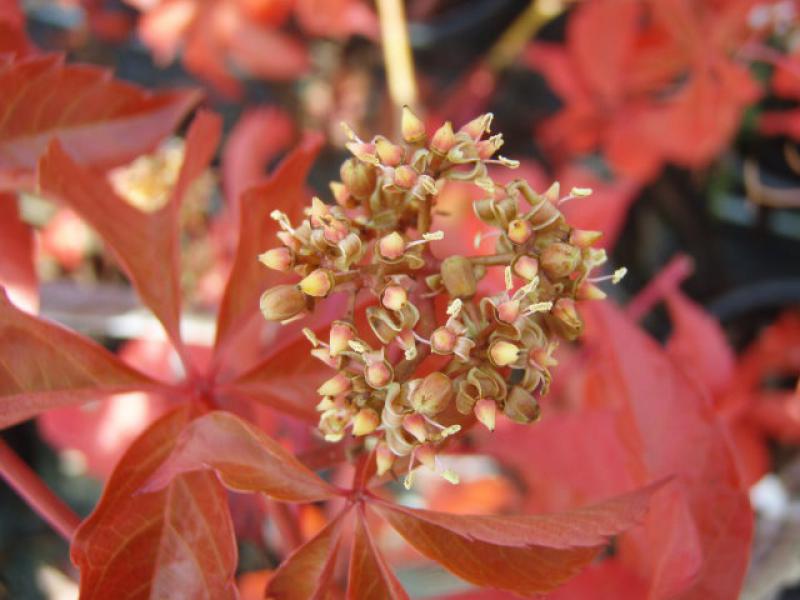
(44, 366)
(370, 578)
(146, 244)
(308, 571)
(101, 122)
(17, 272)
(245, 458)
(524, 554)
(177, 542)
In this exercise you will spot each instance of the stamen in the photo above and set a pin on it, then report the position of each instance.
(480, 236)
(615, 277)
(538, 307)
(454, 308)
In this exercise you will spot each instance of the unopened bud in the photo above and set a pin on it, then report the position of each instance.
(478, 126)
(567, 319)
(278, 259)
(526, 267)
(443, 341)
(342, 195)
(443, 139)
(432, 395)
(384, 458)
(334, 386)
(282, 302)
(583, 238)
(486, 412)
(392, 246)
(378, 374)
(415, 425)
(508, 311)
(412, 127)
(541, 358)
(318, 283)
(521, 406)
(405, 177)
(341, 335)
(365, 422)
(520, 231)
(390, 154)
(589, 291)
(559, 260)
(503, 353)
(458, 277)
(359, 178)
(394, 297)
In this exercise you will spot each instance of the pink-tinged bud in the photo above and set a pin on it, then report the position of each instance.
(338, 384)
(559, 260)
(583, 238)
(503, 353)
(459, 277)
(415, 425)
(365, 422)
(412, 127)
(508, 311)
(443, 341)
(278, 259)
(289, 240)
(392, 246)
(487, 148)
(521, 406)
(589, 291)
(426, 455)
(360, 178)
(378, 374)
(443, 139)
(394, 297)
(342, 195)
(363, 151)
(318, 283)
(390, 154)
(384, 458)
(520, 231)
(526, 267)
(567, 319)
(405, 177)
(319, 210)
(478, 126)
(486, 412)
(282, 302)
(341, 335)
(541, 358)
(432, 395)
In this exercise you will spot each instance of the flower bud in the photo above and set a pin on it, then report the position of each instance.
(412, 127)
(567, 319)
(365, 422)
(508, 311)
(559, 260)
(341, 335)
(415, 425)
(334, 386)
(278, 259)
(589, 291)
(443, 139)
(458, 277)
(378, 374)
(390, 154)
(486, 412)
(520, 231)
(359, 178)
(526, 267)
(478, 126)
(432, 395)
(342, 195)
(583, 238)
(521, 406)
(405, 177)
(384, 458)
(392, 246)
(503, 353)
(318, 283)
(394, 297)
(443, 341)
(282, 302)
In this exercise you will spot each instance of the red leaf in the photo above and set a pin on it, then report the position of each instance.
(308, 571)
(245, 458)
(524, 554)
(44, 366)
(174, 543)
(370, 578)
(13, 39)
(284, 190)
(17, 271)
(147, 245)
(696, 540)
(116, 121)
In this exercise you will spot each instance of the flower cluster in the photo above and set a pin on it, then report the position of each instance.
(497, 348)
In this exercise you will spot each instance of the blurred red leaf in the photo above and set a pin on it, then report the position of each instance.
(696, 539)
(308, 571)
(176, 542)
(17, 271)
(524, 554)
(116, 121)
(245, 458)
(147, 245)
(13, 39)
(44, 366)
(370, 578)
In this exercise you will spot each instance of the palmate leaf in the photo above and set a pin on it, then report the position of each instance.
(369, 577)
(177, 542)
(101, 122)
